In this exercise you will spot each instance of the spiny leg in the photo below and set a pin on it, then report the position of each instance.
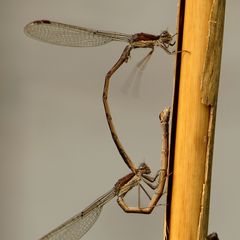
(145, 191)
(152, 178)
(142, 64)
(151, 185)
(165, 48)
(135, 76)
(139, 197)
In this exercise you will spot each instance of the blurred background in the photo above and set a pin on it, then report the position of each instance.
(57, 155)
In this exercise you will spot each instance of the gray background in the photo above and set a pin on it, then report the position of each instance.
(56, 151)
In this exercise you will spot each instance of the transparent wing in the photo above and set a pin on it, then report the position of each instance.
(69, 35)
(77, 226)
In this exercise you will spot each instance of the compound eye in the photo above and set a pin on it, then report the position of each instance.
(164, 34)
(142, 165)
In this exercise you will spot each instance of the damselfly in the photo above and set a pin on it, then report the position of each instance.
(75, 36)
(77, 226)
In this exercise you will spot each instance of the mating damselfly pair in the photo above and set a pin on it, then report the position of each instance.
(74, 36)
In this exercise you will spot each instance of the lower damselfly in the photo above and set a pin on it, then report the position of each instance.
(78, 225)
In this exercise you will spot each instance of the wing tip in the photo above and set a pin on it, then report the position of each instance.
(28, 27)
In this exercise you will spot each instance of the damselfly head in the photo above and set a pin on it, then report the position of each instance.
(165, 37)
(144, 168)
